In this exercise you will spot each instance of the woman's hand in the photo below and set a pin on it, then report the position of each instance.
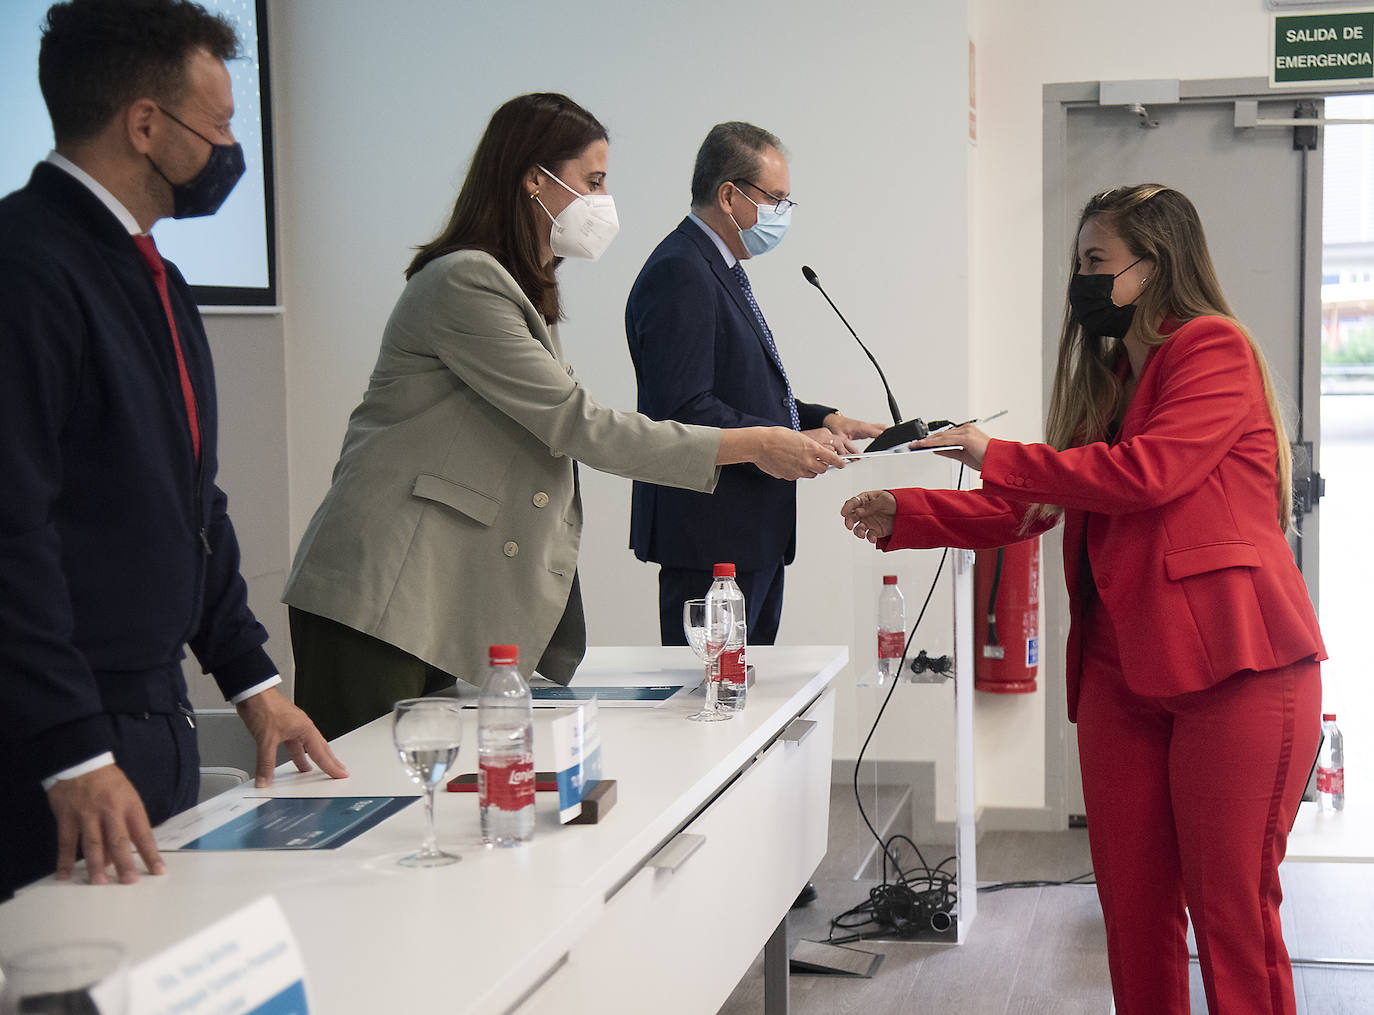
(870, 515)
(971, 442)
(780, 451)
(784, 453)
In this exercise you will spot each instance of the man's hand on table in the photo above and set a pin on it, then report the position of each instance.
(101, 813)
(273, 721)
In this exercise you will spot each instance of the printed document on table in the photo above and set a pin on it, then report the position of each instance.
(606, 696)
(619, 687)
(232, 822)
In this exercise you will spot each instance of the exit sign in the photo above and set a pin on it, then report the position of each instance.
(1307, 48)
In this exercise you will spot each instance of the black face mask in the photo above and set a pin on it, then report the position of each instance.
(203, 193)
(1090, 303)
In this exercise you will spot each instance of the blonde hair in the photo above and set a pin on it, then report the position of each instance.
(1158, 223)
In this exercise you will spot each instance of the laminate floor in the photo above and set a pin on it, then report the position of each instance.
(1042, 951)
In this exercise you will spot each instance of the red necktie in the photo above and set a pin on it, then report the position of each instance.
(148, 249)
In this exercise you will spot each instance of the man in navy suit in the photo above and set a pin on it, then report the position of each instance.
(703, 353)
(116, 548)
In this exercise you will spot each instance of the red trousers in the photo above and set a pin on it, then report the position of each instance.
(1189, 801)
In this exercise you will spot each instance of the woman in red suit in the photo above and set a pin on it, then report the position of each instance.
(1192, 663)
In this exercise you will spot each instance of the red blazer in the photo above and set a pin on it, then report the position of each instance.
(1179, 519)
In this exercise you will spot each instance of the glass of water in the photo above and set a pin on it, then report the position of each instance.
(75, 978)
(428, 733)
(707, 624)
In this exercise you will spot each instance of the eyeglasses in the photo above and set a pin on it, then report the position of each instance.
(784, 205)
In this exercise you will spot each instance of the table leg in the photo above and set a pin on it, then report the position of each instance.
(775, 967)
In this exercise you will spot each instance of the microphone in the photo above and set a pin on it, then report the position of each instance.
(900, 432)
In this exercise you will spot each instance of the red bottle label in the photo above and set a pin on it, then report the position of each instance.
(1331, 780)
(890, 644)
(506, 783)
(730, 666)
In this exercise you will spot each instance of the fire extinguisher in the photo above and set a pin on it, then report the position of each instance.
(1006, 591)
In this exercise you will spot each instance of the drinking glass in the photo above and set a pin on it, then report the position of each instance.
(428, 733)
(707, 624)
(76, 978)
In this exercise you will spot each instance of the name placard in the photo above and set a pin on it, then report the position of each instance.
(245, 964)
(576, 737)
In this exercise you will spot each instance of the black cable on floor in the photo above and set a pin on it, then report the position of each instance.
(999, 886)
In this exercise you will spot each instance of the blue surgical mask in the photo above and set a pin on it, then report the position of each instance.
(767, 232)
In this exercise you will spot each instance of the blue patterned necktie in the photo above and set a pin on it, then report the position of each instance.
(738, 271)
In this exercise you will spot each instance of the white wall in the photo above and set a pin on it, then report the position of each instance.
(380, 106)
(930, 245)
(1021, 48)
(250, 385)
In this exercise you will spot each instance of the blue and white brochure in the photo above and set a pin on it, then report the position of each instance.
(649, 695)
(245, 822)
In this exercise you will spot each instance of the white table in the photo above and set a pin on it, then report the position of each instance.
(665, 903)
(1331, 837)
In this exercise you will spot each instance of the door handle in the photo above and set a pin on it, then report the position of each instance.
(798, 730)
(677, 852)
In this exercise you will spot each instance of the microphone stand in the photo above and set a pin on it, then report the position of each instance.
(901, 432)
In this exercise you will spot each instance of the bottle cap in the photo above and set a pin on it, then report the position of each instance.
(1328, 717)
(503, 655)
(723, 571)
(889, 579)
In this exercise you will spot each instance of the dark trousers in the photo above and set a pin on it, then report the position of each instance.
(345, 678)
(1189, 801)
(762, 600)
(156, 751)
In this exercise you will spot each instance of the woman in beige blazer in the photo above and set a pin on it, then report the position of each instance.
(453, 520)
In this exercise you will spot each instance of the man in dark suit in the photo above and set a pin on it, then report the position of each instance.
(116, 550)
(703, 353)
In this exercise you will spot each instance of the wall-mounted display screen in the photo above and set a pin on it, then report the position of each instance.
(229, 258)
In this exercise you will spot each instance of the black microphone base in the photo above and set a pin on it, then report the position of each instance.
(899, 433)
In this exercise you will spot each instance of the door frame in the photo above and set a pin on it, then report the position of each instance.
(1057, 99)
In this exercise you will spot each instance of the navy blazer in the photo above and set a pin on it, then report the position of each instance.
(115, 546)
(700, 357)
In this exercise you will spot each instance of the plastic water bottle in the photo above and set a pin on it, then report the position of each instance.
(891, 629)
(1331, 767)
(729, 670)
(505, 751)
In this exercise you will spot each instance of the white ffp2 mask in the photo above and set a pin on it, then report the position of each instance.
(586, 227)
